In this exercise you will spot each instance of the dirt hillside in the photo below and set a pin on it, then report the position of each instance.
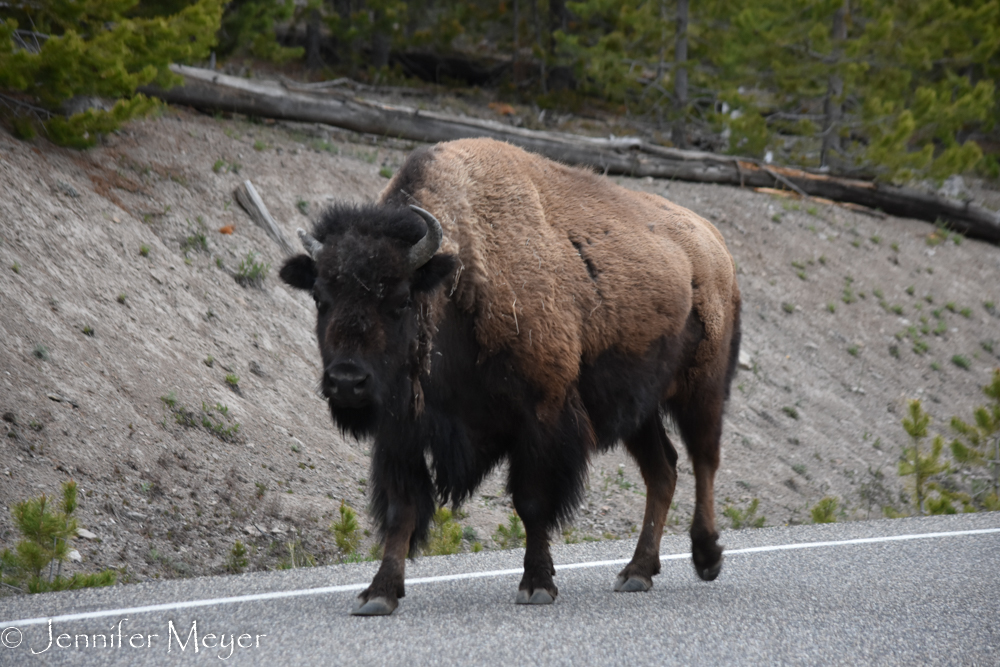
(120, 322)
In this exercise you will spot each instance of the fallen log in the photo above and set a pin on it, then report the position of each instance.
(632, 156)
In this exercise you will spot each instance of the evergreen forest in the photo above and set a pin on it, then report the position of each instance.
(896, 91)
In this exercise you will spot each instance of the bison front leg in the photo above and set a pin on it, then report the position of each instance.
(382, 596)
(534, 504)
(537, 586)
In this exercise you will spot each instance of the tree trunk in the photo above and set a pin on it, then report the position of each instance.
(631, 156)
(833, 105)
(380, 44)
(679, 133)
(313, 58)
(513, 59)
(557, 21)
(540, 36)
(345, 47)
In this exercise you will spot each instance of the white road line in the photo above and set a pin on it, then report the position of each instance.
(277, 595)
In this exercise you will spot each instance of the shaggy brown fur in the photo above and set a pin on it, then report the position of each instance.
(559, 265)
(567, 315)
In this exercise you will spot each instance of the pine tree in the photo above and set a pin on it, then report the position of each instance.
(247, 29)
(928, 69)
(923, 467)
(982, 441)
(47, 532)
(616, 48)
(92, 49)
(915, 463)
(890, 88)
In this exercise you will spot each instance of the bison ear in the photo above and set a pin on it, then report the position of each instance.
(430, 275)
(299, 271)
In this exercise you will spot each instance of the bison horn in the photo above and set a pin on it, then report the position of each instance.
(424, 249)
(312, 246)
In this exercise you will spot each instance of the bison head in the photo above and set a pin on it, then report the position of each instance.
(371, 270)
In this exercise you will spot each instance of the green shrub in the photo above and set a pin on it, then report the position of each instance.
(512, 535)
(848, 296)
(297, 557)
(981, 446)
(346, 532)
(214, 419)
(445, 536)
(197, 241)
(914, 463)
(250, 272)
(47, 534)
(825, 511)
(745, 518)
(961, 361)
(94, 49)
(238, 560)
(248, 29)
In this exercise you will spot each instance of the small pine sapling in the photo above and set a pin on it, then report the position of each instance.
(982, 441)
(512, 535)
(916, 464)
(825, 511)
(445, 535)
(238, 560)
(47, 534)
(346, 532)
(746, 518)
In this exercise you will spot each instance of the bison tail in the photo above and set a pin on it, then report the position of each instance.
(734, 348)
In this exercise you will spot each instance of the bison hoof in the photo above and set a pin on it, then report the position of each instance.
(540, 596)
(634, 584)
(711, 572)
(379, 606)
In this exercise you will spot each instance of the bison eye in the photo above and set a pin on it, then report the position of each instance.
(398, 305)
(321, 305)
(402, 308)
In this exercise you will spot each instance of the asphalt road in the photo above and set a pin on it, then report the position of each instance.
(903, 592)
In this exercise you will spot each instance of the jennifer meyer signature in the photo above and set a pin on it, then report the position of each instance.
(174, 639)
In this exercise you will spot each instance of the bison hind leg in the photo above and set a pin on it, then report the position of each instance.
(698, 415)
(382, 597)
(377, 606)
(657, 461)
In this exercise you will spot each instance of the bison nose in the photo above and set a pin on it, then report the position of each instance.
(349, 383)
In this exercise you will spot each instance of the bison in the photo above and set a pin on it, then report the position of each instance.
(494, 306)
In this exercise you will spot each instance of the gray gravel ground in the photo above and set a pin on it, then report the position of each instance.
(927, 601)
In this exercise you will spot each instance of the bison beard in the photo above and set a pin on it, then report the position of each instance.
(495, 306)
